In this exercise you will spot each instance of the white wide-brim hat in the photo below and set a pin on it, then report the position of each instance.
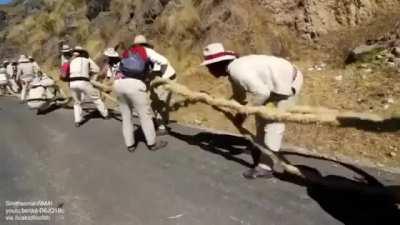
(66, 48)
(140, 39)
(23, 58)
(79, 49)
(216, 52)
(110, 52)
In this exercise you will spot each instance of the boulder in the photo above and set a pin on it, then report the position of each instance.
(360, 51)
(95, 7)
(396, 51)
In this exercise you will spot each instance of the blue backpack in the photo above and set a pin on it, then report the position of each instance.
(134, 66)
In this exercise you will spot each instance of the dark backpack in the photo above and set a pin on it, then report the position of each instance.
(135, 65)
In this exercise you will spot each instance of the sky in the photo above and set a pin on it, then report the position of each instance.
(5, 1)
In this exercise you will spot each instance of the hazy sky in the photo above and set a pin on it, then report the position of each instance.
(5, 1)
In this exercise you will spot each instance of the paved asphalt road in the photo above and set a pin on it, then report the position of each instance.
(195, 181)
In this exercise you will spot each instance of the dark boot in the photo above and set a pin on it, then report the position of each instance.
(158, 145)
(132, 148)
(258, 173)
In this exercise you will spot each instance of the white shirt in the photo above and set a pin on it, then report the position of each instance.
(10, 70)
(83, 67)
(261, 74)
(27, 70)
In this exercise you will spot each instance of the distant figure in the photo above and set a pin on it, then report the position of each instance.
(26, 71)
(258, 80)
(66, 54)
(35, 64)
(12, 76)
(3, 81)
(111, 67)
(132, 91)
(81, 68)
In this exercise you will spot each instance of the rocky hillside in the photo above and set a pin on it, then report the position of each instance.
(316, 34)
(181, 27)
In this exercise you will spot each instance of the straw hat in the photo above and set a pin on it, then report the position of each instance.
(66, 48)
(23, 58)
(110, 52)
(79, 49)
(140, 40)
(216, 52)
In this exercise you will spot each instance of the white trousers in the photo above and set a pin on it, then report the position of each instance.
(132, 94)
(270, 132)
(81, 89)
(25, 82)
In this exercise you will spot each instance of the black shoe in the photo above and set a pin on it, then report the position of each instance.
(158, 145)
(258, 173)
(132, 148)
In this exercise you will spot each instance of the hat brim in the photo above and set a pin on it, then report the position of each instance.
(23, 60)
(219, 59)
(111, 55)
(66, 50)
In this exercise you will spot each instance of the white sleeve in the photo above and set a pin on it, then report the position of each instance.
(156, 58)
(161, 63)
(252, 84)
(94, 68)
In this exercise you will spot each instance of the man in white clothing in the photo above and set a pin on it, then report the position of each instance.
(3, 81)
(12, 76)
(160, 97)
(258, 80)
(26, 71)
(132, 91)
(81, 68)
(66, 53)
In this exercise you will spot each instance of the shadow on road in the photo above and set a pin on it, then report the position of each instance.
(362, 200)
(388, 125)
(227, 146)
(51, 108)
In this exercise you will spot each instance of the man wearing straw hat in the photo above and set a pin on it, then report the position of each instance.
(160, 97)
(26, 71)
(257, 80)
(111, 67)
(66, 53)
(132, 91)
(81, 68)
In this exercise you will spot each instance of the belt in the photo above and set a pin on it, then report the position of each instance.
(79, 79)
(295, 72)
